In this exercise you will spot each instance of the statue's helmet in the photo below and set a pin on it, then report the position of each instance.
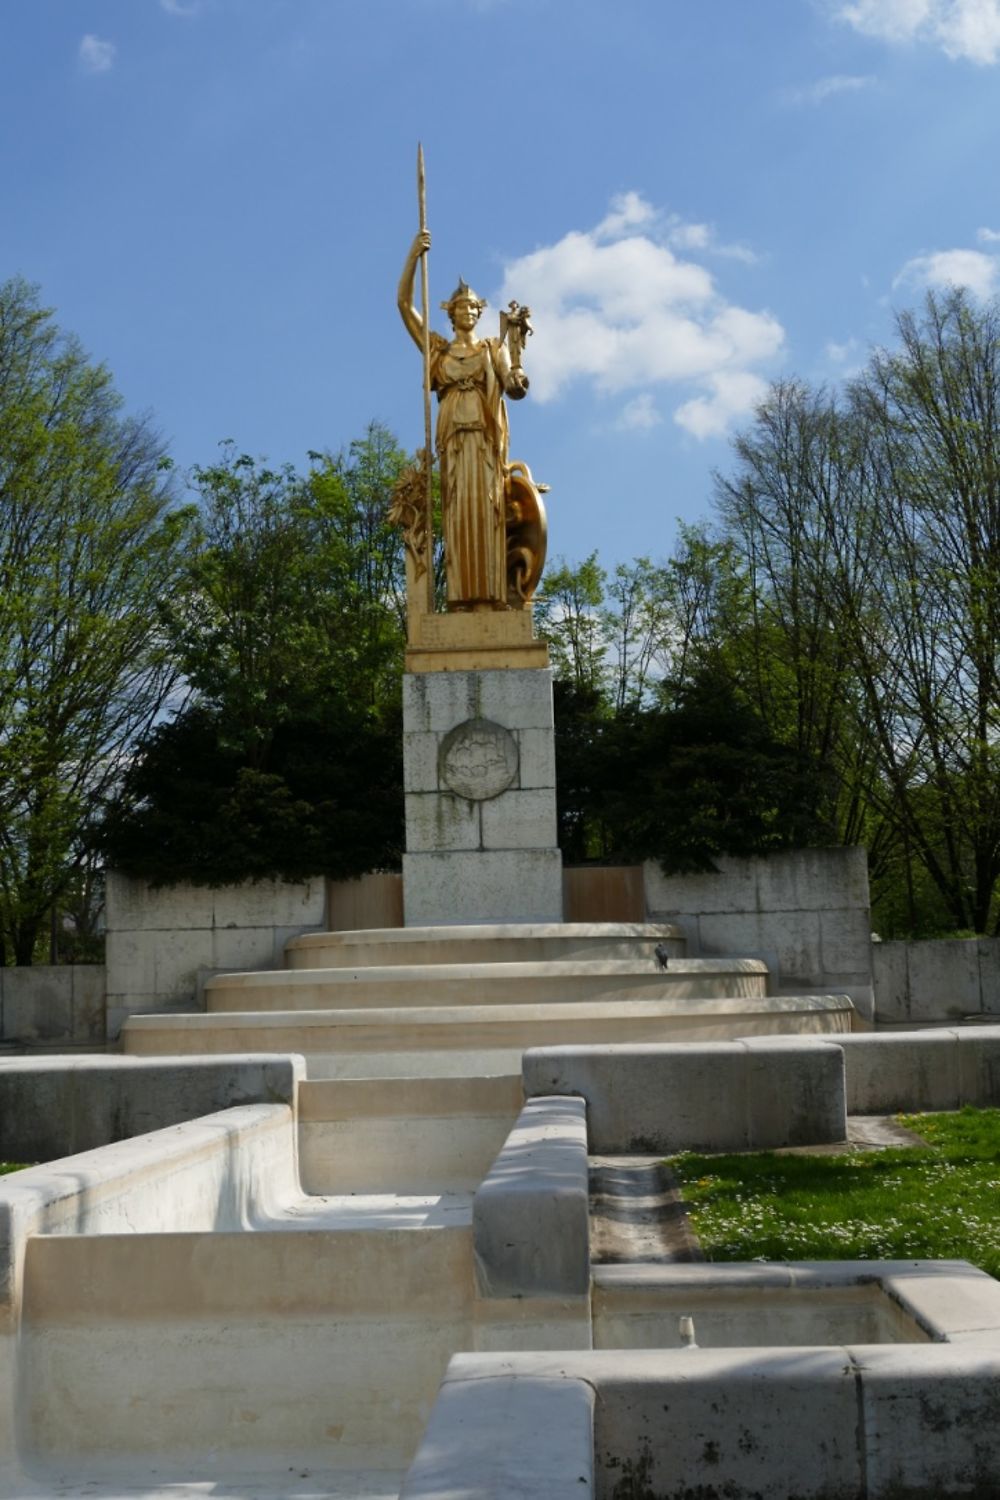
(463, 293)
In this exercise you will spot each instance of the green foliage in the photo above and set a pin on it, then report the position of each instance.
(90, 545)
(287, 626)
(681, 782)
(937, 1202)
(660, 752)
(328, 799)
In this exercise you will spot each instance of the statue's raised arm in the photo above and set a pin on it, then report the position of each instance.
(408, 310)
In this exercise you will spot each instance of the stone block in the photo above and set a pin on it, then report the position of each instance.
(440, 821)
(500, 885)
(89, 1002)
(489, 1430)
(177, 957)
(270, 903)
(134, 904)
(420, 762)
(721, 1096)
(813, 880)
(795, 1097)
(943, 980)
(889, 977)
(531, 1213)
(649, 1097)
(845, 941)
(929, 1420)
(245, 948)
(519, 820)
(732, 889)
(517, 698)
(538, 757)
(38, 1004)
(979, 1065)
(989, 975)
(903, 1070)
(740, 1423)
(751, 935)
(131, 970)
(56, 1106)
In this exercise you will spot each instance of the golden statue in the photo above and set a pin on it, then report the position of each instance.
(492, 516)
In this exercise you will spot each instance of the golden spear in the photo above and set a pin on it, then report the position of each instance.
(428, 449)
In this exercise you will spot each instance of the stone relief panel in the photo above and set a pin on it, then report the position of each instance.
(478, 760)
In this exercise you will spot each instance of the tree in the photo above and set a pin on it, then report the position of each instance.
(869, 531)
(90, 546)
(288, 629)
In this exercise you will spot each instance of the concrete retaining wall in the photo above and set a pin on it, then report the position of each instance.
(53, 1005)
(932, 983)
(163, 943)
(917, 1070)
(530, 1215)
(215, 1173)
(727, 1096)
(805, 912)
(867, 1422)
(59, 1106)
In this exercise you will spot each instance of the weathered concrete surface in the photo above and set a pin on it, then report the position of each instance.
(816, 1423)
(530, 1437)
(436, 1041)
(938, 1068)
(936, 982)
(488, 858)
(59, 1106)
(482, 885)
(161, 942)
(275, 1351)
(542, 982)
(223, 1171)
(805, 912)
(403, 1135)
(530, 1214)
(724, 1096)
(508, 942)
(801, 1303)
(53, 1005)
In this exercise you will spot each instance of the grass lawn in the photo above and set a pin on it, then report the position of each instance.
(936, 1202)
(12, 1166)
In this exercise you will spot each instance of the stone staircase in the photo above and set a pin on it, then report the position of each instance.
(467, 1001)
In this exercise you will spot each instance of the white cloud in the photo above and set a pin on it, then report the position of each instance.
(973, 269)
(988, 236)
(842, 354)
(961, 28)
(95, 55)
(628, 211)
(829, 88)
(731, 394)
(639, 414)
(620, 309)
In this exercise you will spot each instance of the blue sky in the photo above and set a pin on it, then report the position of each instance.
(695, 197)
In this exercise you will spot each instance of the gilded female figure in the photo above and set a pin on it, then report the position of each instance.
(471, 377)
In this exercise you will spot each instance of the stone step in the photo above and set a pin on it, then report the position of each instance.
(475, 1040)
(563, 982)
(512, 942)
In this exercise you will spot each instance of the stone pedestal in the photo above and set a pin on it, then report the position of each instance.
(480, 782)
